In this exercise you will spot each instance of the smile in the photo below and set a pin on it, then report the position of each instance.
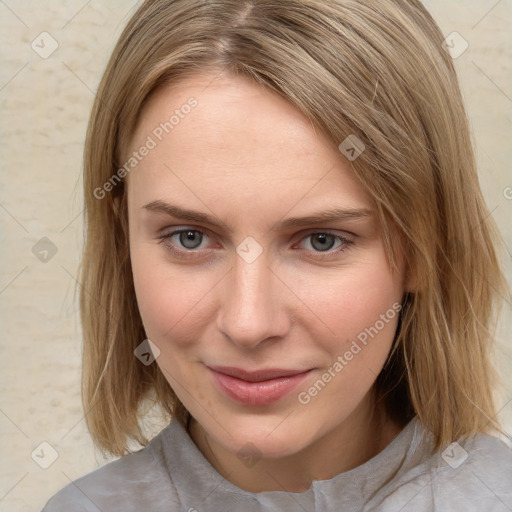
(260, 387)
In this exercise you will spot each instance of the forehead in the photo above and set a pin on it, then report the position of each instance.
(239, 141)
(226, 105)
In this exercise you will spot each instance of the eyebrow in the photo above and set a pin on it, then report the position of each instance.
(337, 214)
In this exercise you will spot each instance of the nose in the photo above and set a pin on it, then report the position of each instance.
(252, 308)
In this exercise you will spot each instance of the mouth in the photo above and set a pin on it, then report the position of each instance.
(258, 387)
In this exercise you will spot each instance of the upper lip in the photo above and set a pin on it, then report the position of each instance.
(256, 375)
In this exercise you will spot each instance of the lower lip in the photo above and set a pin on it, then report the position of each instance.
(257, 393)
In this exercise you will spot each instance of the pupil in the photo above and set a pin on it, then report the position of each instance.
(323, 238)
(190, 239)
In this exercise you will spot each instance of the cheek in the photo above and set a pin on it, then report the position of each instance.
(171, 299)
(354, 300)
(361, 310)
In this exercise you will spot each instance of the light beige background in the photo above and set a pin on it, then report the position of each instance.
(45, 107)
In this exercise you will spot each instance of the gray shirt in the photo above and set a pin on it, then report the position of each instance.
(171, 474)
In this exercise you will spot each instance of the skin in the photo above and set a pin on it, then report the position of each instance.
(248, 158)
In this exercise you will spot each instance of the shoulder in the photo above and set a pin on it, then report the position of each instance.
(471, 475)
(478, 473)
(130, 483)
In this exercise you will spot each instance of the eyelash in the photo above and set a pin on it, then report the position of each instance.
(345, 244)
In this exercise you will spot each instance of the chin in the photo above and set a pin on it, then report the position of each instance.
(268, 437)
(268, 447)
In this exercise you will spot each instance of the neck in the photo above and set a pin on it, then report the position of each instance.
(364, 434)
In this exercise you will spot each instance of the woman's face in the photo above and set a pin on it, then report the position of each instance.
(258, 265)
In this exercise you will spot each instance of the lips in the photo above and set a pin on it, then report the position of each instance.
(257, 375)
(258, 387)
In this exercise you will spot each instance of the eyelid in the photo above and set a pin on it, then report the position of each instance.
(301, 234)
(326, 231)
(179, 229)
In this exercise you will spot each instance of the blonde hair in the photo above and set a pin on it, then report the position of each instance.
(376, 70)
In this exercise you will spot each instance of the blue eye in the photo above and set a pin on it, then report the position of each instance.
(186, 243)
(323, 242)
(190, 239)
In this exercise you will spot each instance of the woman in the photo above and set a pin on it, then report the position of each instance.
(288, 253)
